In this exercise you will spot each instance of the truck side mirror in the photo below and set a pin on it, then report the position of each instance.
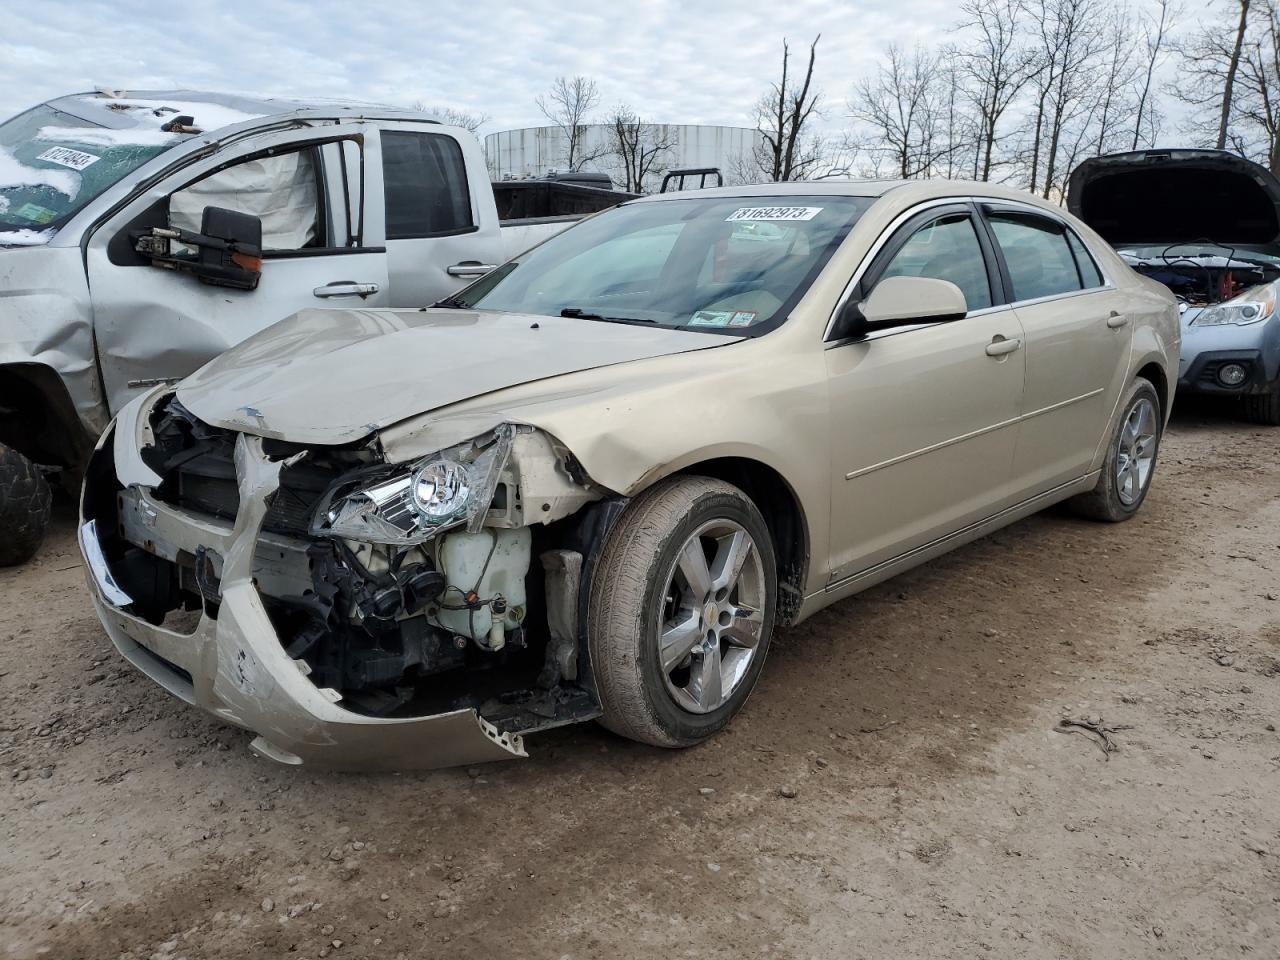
(236, 260)
(228, 249)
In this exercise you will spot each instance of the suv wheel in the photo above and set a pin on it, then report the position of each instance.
(682, 609)
(25, 502)
(1263, 408)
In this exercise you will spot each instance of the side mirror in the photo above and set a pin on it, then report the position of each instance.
(235, 258)
(901, 302)
(228, 249)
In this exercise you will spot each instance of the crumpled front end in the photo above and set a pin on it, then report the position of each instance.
(282, 588)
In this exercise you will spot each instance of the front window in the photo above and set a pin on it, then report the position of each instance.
(52, 164)
(723, 265)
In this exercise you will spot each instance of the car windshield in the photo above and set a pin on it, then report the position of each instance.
(53, 163)
(721, 265)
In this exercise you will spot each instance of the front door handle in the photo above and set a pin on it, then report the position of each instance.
(470, 268)
(345, 288)
(1000, 346)
(1116, 320)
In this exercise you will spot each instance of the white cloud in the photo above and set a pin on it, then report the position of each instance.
(690, 62)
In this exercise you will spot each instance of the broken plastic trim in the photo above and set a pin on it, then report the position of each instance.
(376, 505)
(91, 547)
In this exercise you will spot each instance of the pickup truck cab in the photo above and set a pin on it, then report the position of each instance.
(358, 205)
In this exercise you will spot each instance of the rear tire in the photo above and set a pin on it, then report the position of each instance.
(1263, 408)
(1123, 485)
(25, 504)
(675, 656)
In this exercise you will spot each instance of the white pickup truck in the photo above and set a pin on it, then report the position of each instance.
(328, 204)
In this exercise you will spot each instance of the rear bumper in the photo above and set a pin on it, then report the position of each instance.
(233, 666)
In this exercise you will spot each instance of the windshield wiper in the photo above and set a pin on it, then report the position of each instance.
(578, 313)
(453, 303)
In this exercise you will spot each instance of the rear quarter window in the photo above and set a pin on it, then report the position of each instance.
(425, 185)
(1089, 272)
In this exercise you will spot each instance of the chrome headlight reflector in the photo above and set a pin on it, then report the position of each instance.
(440, 489)
(1239, 312)
(410, 504)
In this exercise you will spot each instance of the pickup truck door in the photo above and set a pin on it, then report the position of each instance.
(441, 221)
(923, 419)
(322, 240)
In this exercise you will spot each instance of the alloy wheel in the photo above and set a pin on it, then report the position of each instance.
(712, 615)
(1136, 451)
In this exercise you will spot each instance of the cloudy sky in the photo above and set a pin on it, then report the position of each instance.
(686, 62)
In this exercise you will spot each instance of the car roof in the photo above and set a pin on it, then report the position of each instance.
(130, 109)
(910, 191)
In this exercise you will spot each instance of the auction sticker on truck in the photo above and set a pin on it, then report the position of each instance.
(773, 213)
(66, 157)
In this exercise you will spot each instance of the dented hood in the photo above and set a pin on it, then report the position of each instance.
(333, 376)
(1153, 197)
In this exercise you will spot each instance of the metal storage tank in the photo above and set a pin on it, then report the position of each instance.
(536, 151)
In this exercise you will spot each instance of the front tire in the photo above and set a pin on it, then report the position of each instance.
(1131, 458)
(1263, 408)
(682, 611)
(25, 504)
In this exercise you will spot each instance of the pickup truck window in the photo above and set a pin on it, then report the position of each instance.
(720, 265)
(281, 190)
(52, 164)
(425, 185)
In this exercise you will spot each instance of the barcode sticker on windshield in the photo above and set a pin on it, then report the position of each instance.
(773, 213)
(66, 157)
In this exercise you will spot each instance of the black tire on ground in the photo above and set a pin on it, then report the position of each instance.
(1263, 408)
(626, 609)
(1103, 502)
(25, 502)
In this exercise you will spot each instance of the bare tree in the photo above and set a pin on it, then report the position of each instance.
(1070, 39)
(1233, 64)
(471, 122)
(1257, 97)
(905, 104)
(638, 146)
(1209, 60)
(1155, 33)
(788, 150)
(567, 105)
(994, 68)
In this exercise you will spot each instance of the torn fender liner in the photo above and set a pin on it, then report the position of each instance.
(386, 365)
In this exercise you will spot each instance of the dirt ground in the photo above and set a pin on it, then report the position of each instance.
(936, 811)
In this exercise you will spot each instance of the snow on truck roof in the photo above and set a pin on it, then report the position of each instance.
(142, 113)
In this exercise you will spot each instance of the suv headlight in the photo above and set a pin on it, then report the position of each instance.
(1250, 308)
(410, 504)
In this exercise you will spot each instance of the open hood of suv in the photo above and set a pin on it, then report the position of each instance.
(1177, 196)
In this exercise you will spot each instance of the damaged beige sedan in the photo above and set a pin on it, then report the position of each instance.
(592, 485)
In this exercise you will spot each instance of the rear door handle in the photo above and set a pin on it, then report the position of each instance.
(470, 268)
(1116, 320)
(1000, 346)
(345, 288)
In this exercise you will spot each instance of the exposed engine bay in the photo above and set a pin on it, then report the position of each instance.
(398, 590)
(1202, 275)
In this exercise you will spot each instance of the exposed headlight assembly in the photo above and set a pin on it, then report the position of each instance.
(410, 504)
(1248, 309)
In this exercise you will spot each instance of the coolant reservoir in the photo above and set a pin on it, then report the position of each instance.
(462, 557)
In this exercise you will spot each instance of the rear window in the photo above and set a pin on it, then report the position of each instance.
(1036, 252)
(425, 184)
